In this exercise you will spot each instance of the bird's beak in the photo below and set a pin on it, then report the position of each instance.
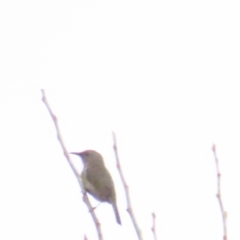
(76, 153)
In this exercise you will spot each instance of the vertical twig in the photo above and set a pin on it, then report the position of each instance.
(65, 152)
(129, 205)
(154, 226)
(219, 196)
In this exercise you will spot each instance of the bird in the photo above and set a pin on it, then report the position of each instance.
(97, 180)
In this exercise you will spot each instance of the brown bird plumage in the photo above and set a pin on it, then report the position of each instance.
(97, 180)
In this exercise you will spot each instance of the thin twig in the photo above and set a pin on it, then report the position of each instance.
(154, 226)
(129, 206)
(65, 152)
(219, 196)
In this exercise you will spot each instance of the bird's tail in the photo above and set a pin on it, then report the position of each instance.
(115, 209)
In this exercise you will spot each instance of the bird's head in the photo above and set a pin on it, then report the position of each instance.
(89, 156)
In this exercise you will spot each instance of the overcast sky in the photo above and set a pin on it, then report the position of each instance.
(164, 75)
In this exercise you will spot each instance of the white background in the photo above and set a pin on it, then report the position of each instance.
(164, 75)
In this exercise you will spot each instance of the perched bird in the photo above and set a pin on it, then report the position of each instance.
(97, 180)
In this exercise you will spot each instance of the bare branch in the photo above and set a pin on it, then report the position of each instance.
(129, 206)
(219, 196)
(154, 226)
(65, 152)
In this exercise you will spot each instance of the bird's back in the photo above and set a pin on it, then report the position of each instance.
(98, 182)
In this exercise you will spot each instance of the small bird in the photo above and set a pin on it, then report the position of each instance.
(97, 180)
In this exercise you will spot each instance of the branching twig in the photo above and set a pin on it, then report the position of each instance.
(154, 226)
(219, 197)
(129, 206)
(85, 198)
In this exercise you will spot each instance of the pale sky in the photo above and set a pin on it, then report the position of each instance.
(164, 75)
